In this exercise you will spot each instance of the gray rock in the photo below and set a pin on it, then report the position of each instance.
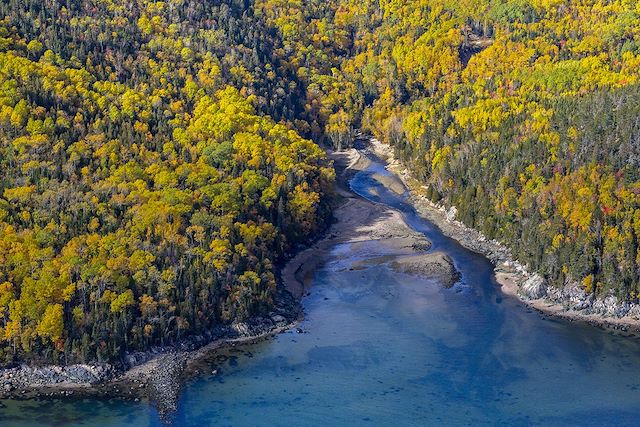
(241, 329)
(451, 213)
(610, 306)
(576, 298)
(534, 287)
(278, 319)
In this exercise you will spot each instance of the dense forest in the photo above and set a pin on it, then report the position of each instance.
(149, 180)
(157, 157)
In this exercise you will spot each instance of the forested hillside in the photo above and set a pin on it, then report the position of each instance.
(522, 113)
(147, 186)
(154, 166)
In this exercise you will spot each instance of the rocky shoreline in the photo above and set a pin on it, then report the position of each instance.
(571, 302)
(156, 375)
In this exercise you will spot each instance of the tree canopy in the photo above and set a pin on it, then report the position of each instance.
(149, 180)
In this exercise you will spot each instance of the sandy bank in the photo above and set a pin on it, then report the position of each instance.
(392, 182)
(359, 222)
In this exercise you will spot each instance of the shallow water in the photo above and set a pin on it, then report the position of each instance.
(381, 348)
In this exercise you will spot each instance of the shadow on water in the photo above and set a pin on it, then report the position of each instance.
(383, 348)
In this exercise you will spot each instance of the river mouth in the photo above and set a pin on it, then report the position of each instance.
(378, 347)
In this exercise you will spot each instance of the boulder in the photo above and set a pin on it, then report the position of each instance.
(611, 306)
(451, 213)
(577, 298)
(534, 287)
(277, 319)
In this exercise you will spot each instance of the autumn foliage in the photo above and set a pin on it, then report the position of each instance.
(145, 191)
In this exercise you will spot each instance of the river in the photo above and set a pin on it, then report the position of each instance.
(382, 348)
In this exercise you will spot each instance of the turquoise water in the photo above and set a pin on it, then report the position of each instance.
(381, 349)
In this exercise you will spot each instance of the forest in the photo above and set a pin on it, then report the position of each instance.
(159, 159)
(148, 183)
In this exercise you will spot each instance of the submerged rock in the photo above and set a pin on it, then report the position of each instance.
(436, 265)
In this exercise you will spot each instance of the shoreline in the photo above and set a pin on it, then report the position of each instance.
(627, 326)
(509, 273)
(295, 273)
(158, 378)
